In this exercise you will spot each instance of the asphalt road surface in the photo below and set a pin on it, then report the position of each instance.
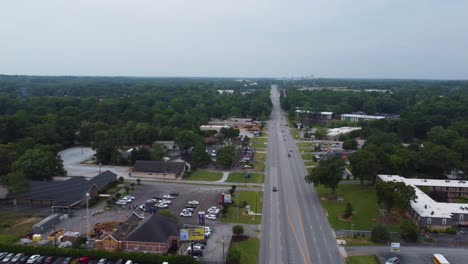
(294, 226)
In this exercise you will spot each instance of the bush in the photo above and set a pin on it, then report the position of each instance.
(348, 210)
(233, 257)
(451, 230)
(380, 234)
(409, 231)
(238, 230)
(121, 179)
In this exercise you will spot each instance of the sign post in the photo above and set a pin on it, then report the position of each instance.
(395, 247)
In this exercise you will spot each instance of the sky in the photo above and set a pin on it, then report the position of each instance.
(417, 39)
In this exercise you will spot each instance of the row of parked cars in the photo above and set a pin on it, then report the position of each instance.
(21, 258)
(199, 246)
(125, 200)
(189, 208)
(158, 202)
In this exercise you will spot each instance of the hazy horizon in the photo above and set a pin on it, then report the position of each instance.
(368, 39)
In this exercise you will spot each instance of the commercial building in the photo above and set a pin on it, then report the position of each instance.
(314, 115)
(158, 169)
(64, 194)
(335, 133)
(427, 212)
(360, 118)
(153, 234)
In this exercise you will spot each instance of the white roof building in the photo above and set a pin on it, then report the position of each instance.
(335, 132)
(358, 118)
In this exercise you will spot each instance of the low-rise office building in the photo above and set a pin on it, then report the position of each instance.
(427, 212)
(158, 169)
(360, 118)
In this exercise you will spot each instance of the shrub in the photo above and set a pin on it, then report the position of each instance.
(238, 230)
(451, 230)
(380, 234)
(348, 210)
(233, 257)
(409, 231)
(121, 179)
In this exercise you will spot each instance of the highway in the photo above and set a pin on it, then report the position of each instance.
(294, 226)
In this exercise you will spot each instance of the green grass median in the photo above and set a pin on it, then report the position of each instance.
(239, 177)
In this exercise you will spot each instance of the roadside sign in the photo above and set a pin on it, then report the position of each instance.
(395, 247)
(192, 234)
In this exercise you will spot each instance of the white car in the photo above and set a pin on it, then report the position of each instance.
(121, 202)
(207, 234)
(211, 217)
(167, 196)
(214, 211)
(186, 214)
(33, 259)
(188, 209)
(164, 201)
(195, 247)
(194, 202)
(162, 205)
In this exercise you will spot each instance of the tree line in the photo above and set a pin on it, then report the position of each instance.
(41, 115)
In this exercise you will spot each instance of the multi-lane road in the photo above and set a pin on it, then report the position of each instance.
(294, 226)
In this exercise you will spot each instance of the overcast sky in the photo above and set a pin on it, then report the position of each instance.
(236, 38)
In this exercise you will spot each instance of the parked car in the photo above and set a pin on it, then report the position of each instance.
(23, 259)
(102, 261)
(174, 194)
(83, 260)
(3, 254)
(162, 205)
(202, 246)
(67, 260)
(393, 260)
(167, 196)
(32, 259)
(194, 202)
(186, 213)
(40, 260)
(8, 257)
(17, 257)
(49, 260)
(189, 209)
(211, 217)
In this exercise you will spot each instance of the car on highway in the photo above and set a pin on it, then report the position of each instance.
(289, 155)
(290, 150)
(275, 189)
(32, 259)
(394, 260)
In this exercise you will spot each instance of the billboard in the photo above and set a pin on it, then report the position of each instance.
(192, 234)
(227, 198)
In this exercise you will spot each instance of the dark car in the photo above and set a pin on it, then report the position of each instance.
(191, 206)
(174, 194)
(289, 155)
(41, 260)
(49, 260)
(67, 260)
(23, 259)
(275, 189)
(157, 198)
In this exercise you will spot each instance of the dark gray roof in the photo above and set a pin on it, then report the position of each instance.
(159, 166)
(156, 228)
(126, 227)
(66, 192)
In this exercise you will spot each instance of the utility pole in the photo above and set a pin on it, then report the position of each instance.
(87, 216)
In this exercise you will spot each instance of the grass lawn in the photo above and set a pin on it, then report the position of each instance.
(200, 175)
(239, 177)
(259, 157)
(363, 200)
(307, 156)
(310, 163)
(362, 260)
(235, 216)
(258, 145)
(259, 139)
(259, 166)
(305, 144)
(14, 226)
(249, 250)
(114, 189)
(303, 150)
(295, 134)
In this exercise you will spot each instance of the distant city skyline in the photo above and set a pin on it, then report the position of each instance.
(369, 39)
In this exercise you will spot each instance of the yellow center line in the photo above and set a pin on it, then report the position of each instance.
(294, 232)
(303, 233)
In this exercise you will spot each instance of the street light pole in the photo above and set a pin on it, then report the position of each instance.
(87, 216)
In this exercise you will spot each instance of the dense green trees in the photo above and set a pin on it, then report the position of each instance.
(395, 195)
(364, 165)
(328, 172)
(225, 156)
(39, 163)
(111, 114)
